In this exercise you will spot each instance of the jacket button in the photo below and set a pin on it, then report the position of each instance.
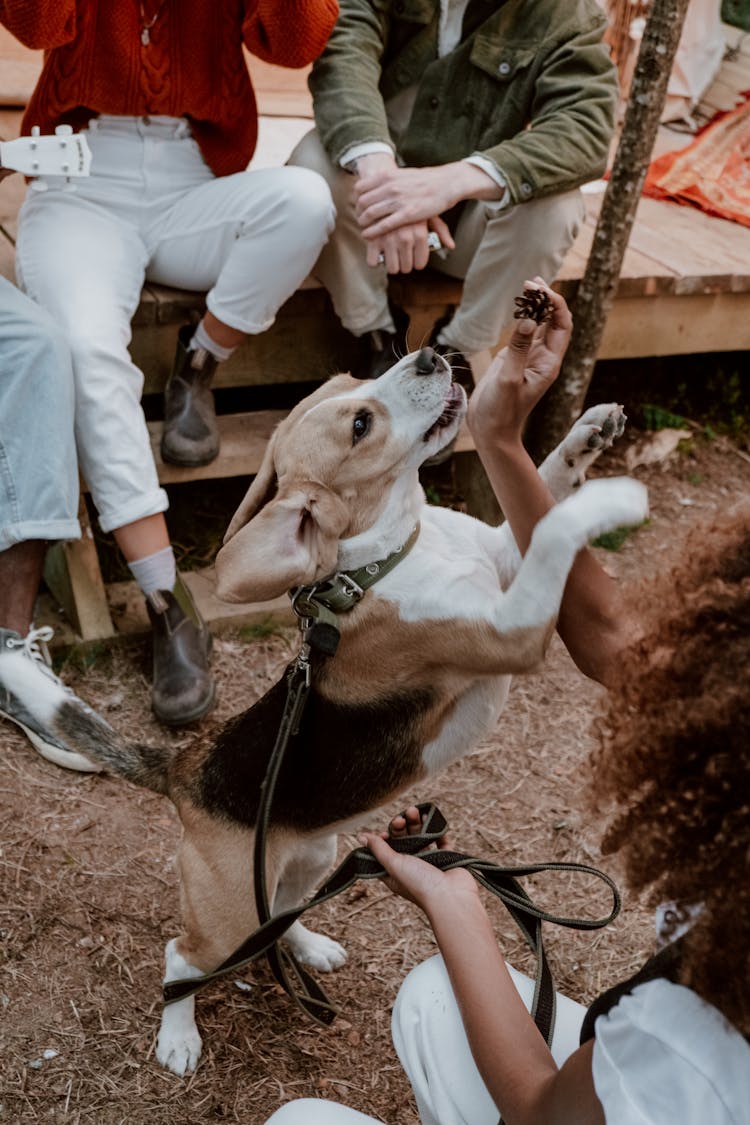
(504, 68)
(526, 189)
(434, 102)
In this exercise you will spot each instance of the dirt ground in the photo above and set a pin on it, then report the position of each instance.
(88, 894)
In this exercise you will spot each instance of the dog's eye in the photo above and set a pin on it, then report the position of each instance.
(361, 425)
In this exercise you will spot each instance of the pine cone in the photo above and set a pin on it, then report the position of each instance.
(534, 304)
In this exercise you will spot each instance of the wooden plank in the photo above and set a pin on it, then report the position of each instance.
(243, 443)
(280, 92)
(640, 274)
(307, 343)
(676, 325)
(130, 616)
(73, 576)
(10, 123)
(699, 247)
(20, 68)
(244, 438)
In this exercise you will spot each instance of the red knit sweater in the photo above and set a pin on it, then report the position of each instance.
(191, 67)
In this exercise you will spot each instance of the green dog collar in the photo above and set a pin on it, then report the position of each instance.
(326, 600)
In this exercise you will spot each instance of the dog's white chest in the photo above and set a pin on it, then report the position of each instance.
(473, 719)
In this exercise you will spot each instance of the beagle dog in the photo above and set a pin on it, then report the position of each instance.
(422, 669)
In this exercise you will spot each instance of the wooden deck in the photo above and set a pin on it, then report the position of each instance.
(684, 288)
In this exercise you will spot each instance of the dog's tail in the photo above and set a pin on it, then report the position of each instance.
(43, 706)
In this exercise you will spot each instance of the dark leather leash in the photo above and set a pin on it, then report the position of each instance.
(320, 640)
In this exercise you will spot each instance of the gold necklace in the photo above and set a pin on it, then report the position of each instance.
(147, 24)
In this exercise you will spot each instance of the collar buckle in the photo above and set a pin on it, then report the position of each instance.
(349, 588)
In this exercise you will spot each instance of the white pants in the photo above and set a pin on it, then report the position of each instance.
(431, 1043)
(497, 249)
(153, 210)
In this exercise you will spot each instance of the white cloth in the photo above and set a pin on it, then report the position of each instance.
(152, 209)
(662, 1056)
(431, 1043)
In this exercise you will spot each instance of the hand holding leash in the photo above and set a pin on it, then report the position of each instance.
(409, 877)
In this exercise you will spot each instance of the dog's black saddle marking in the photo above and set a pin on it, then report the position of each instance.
(344, 760)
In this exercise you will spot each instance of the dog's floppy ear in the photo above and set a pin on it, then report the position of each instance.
(260, 492)
(292, 540)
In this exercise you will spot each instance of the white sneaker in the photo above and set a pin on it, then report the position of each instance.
(49, 745)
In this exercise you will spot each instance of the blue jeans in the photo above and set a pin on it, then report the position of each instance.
(38, 467)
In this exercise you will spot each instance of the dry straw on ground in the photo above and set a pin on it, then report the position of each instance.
(88, 893)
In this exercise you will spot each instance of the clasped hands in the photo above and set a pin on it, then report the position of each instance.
(398, 207)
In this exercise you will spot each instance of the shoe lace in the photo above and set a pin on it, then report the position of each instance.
(34, 645)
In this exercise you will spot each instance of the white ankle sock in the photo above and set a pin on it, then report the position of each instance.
(155, 572)
(201, 339)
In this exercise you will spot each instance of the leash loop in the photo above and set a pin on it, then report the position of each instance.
(361, 864)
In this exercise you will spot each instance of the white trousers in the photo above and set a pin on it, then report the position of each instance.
(497, 249)
(431, 1043)
(153, 210)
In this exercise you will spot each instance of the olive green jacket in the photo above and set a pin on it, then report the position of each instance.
(530, 87)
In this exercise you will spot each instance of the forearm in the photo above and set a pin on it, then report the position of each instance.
(591, 623)
(511, 1056)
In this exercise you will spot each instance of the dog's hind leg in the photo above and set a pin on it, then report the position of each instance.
(307, 865)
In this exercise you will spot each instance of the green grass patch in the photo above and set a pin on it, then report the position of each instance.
(613, 540)
(259, 630)
(657, 418)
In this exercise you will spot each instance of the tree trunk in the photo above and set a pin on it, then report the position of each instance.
(596, 292)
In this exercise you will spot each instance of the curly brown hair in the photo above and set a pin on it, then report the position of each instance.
(675, 758)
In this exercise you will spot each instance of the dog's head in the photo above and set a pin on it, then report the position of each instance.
(331, 468)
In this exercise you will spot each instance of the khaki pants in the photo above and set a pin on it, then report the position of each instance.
(497, 249)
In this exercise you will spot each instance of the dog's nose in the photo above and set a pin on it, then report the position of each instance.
(426, 361)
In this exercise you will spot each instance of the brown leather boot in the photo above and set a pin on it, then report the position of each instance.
(183, 687)
(191, 435)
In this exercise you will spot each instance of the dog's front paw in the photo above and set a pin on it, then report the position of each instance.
(315, 950)
(179, 1048)
(594, 432)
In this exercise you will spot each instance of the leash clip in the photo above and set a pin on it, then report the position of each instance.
(303, 663)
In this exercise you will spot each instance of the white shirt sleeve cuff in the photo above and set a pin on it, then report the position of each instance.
(350, 157)
(488, 167)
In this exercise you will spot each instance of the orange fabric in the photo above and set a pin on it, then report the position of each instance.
(192, 66)
(713, 172)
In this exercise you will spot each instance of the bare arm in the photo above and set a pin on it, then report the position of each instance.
(591, 621)
(511, 1056)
